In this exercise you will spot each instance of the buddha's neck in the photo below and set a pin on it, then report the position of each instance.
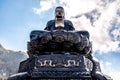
(59, 22)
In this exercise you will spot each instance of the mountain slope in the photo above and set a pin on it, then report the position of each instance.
(9, 61)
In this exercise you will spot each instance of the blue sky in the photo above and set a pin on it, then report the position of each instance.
(19, 17)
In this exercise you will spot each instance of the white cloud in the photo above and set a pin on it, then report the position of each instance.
(44, 6)
(100, 25)
(106, 66)
(108, 69)
(75, 7)
(115, 75)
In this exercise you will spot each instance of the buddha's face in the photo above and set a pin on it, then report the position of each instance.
(59, 13)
